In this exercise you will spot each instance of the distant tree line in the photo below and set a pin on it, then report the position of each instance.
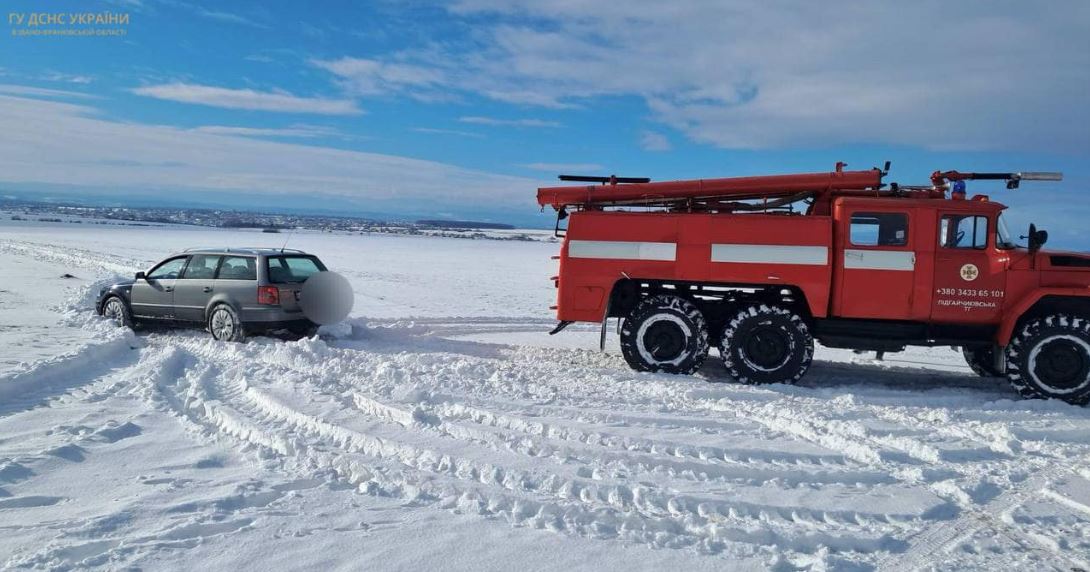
(464, 224)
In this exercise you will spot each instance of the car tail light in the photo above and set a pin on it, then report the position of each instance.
(268, 295)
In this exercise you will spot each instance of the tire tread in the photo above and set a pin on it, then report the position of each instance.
(757, 310)
(664, 303)
(1022, 342)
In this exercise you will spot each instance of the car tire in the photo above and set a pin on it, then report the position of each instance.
(665, 334)
(766, 343)
(224, 324)
(116, 310)
(1049, 358)
(981, 360)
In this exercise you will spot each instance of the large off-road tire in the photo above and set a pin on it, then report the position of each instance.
(765, 343)
(665, 333)
(225, 325)
(981, 360)
(116, 310)
(1050, 358)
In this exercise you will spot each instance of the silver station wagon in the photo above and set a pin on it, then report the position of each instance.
(230, 291)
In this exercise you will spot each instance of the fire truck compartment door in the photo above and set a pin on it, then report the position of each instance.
(970, 275)
(876, 265)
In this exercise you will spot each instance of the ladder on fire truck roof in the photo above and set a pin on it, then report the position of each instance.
(774, 191)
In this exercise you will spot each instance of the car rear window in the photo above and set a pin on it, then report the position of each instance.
(292, 268)
(237, 268)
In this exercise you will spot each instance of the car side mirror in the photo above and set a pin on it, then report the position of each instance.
(1037, 238)
(141, 276)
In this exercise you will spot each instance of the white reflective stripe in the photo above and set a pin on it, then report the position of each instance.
(622, 250)
(879, 260)
(770, 254)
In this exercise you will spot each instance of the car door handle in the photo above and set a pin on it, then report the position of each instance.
(168, 289)
(207, 288)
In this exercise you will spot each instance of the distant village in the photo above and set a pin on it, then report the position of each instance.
(22, 210)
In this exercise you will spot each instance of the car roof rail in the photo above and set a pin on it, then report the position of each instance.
(243, 249)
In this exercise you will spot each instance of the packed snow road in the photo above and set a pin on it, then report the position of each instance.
(440, 427)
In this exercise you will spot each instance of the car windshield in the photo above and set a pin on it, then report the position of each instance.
(1003, 237)
(292, 268)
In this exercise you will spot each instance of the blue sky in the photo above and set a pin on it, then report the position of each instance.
(462, 109)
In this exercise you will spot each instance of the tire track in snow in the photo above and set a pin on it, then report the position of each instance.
(607, 455)
(774, 425)
(686, 520)
(932, 545)
(111, 380)
(780, 422)
(74, 257)
(671, 451)
(698, 463)
(22, 390)
(494, 366)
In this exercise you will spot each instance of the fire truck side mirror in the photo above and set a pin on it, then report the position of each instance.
(1037, 238)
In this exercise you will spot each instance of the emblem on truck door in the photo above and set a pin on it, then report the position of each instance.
(969, 272)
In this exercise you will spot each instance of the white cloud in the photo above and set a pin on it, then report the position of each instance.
(508, 122)
(218, 15)
(67, 78)
(63, 144)
(43, 92)
(304, 131)
(229, 17)
(440, 131)
(754, 74)
(248, 99)
(564, 167)
(365, 77)
(654, 141)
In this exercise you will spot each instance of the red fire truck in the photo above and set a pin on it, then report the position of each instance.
(762, 266)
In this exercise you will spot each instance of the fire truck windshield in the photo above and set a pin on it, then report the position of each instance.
(1003, 237)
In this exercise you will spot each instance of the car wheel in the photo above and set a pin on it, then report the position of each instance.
(115, 310)
(225, 325)
(1050, 358)
(765, 343)
(981, 360)
(665, 333)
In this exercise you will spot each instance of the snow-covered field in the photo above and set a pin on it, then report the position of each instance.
(440, 428)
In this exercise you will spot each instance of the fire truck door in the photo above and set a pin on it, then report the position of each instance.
(969, 275)
(876, 265)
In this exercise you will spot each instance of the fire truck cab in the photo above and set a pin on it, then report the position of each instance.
(686, 265)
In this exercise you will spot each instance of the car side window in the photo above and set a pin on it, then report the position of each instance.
(201, 267)
(168, 270)
(879, 229)
(237, 268)
(963, 231)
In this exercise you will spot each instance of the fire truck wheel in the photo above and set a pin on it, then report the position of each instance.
(665, 334)
(765, 343)
(1050, 358)
(981, 360)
